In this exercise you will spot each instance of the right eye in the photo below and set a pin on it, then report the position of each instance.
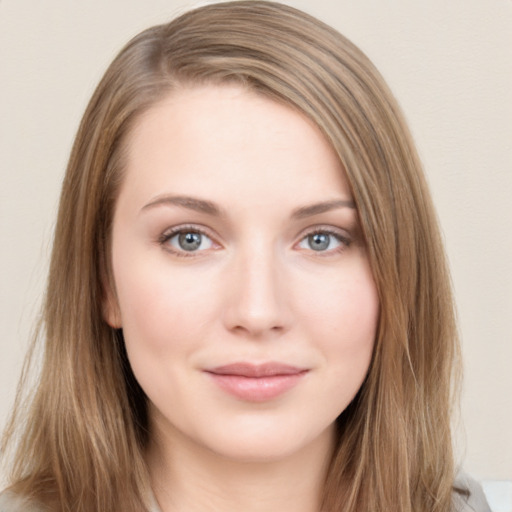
(184, 240)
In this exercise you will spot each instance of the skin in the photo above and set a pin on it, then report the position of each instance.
(258, 289)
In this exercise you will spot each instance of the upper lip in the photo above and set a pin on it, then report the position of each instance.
(243, 369)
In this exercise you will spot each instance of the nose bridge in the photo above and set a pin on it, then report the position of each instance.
(258, 301)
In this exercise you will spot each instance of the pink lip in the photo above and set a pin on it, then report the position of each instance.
(256, 382)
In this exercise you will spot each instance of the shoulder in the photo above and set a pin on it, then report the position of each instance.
(475, 501)
(10, 502)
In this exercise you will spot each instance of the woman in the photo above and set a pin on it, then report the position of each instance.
(248, 304)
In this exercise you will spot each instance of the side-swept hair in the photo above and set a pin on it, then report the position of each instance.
(82, 436)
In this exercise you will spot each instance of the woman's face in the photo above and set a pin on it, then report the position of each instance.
(242, 283)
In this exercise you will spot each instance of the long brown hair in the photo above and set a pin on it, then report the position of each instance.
(84, 431)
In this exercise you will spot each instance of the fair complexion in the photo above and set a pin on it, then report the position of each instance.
(246, 300)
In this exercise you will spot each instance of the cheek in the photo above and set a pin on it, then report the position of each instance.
(346, 305)
(160, 306)
(342, 317)
(165, 315)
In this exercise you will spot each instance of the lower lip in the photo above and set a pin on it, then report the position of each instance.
(257, 389)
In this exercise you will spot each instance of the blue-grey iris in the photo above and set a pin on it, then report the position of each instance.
(189, 241)
(319, 241)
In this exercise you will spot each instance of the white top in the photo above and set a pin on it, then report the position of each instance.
(476, 502)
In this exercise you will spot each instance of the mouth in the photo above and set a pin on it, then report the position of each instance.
(256, 382)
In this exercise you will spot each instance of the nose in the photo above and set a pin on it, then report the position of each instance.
(257, 304)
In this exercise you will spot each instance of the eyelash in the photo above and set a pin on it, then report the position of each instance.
(345, 240)
(163, 240)
(169, 234)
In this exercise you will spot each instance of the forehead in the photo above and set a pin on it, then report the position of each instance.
(199, 136)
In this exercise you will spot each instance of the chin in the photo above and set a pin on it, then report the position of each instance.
(266, 443)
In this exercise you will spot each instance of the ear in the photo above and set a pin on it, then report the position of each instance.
(110, 308)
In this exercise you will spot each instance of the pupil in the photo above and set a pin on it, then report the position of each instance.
(190, 241)
(319, 241)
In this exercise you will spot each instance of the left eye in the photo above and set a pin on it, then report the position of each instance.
(321, 241)
(189, 241)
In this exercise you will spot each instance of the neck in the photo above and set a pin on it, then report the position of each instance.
(192, 478)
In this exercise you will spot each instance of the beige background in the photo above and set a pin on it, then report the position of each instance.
(449, 64)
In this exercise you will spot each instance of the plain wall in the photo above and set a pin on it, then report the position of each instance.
(448, 63)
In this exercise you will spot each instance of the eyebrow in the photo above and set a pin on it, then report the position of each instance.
(317, 208)
(210, 208)
(191, 203)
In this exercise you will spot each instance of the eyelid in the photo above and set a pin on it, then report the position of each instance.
(326, 228)
(183, 228)
(342, 235)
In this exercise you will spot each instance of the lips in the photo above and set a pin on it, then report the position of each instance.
(256, 382)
